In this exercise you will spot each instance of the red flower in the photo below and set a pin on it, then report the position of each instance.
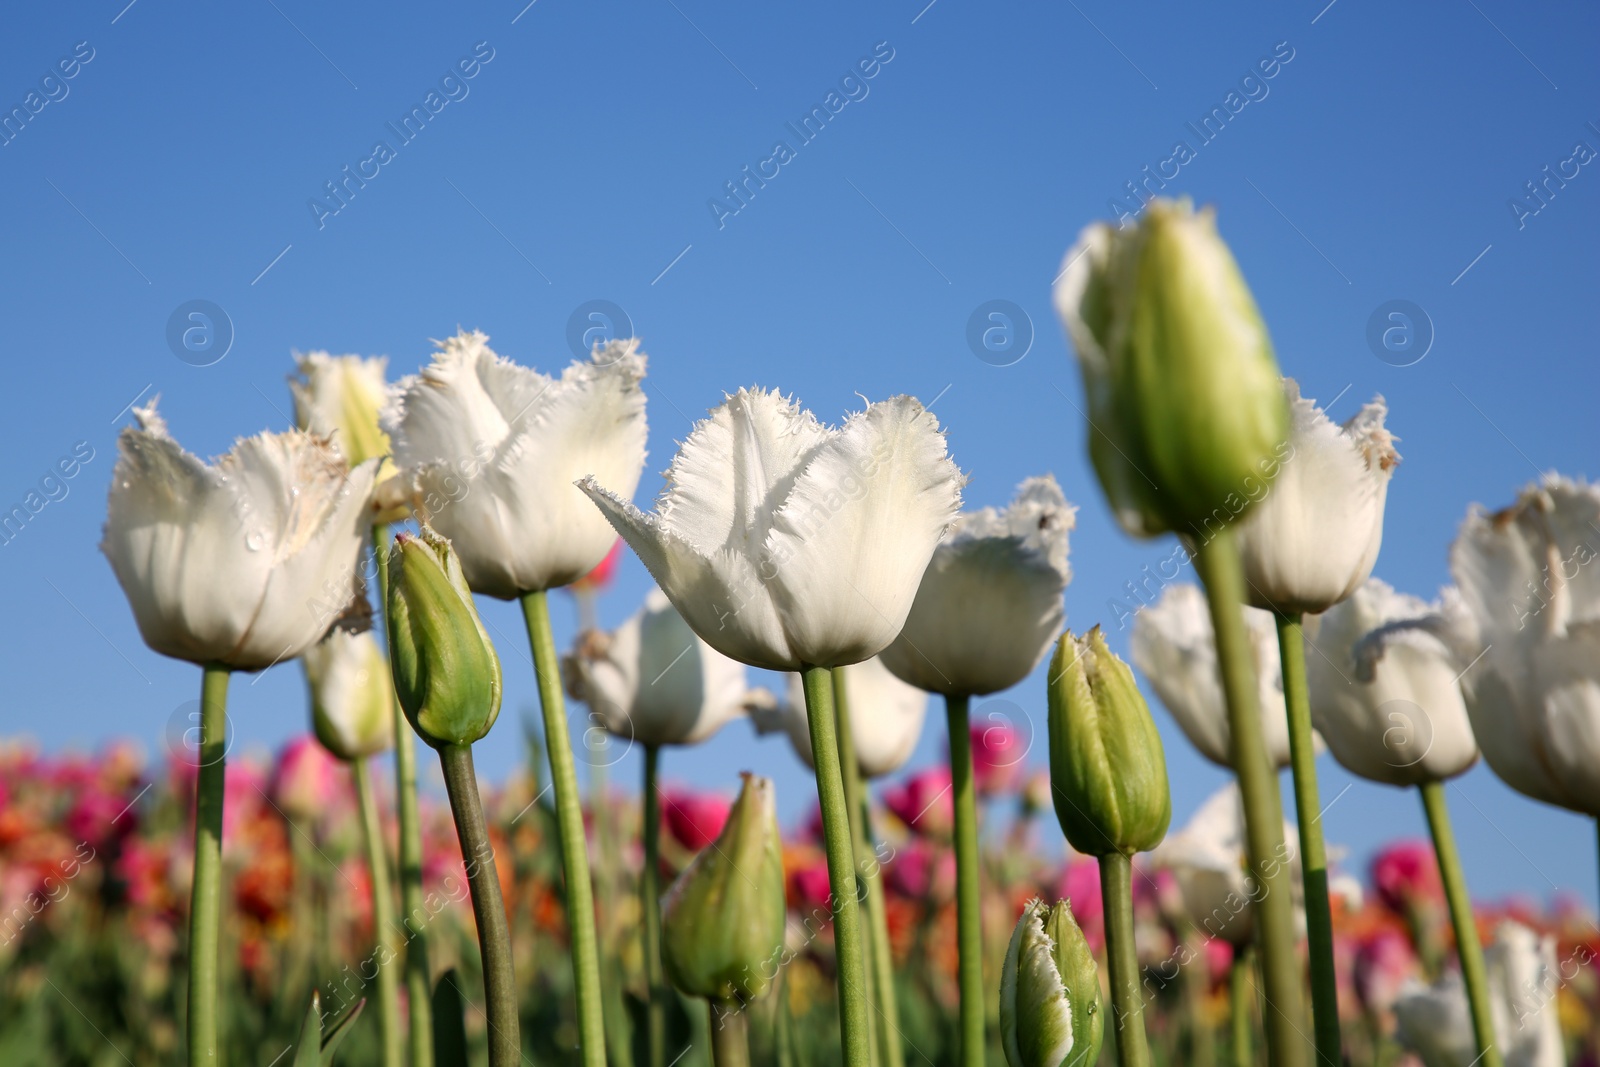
(694, 819)
(924, 802)
(1405, 874)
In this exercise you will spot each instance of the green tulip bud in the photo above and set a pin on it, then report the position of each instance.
(1107, 767)
(445, 671)
(1188, 418)
(722, 921)
(1050, 992)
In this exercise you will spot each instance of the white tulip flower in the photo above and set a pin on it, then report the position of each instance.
(490, 451)
(340, 397)
(989, 606)
(786, 543)
(1208, 861)
(885, 717)
(352, 694)
(1435, 1021)
(1173, 646)
(1313, 538)
(1384, 676)
(244, 562)
(652, 680)
(1530, 575)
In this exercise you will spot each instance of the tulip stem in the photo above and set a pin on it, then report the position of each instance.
(969, 933)
(1241, 992)
(730, 1035)
(880, 969)
(494, 936)
(205, 900)
(650, 904)
(382, 917)
(1127, 998)
(1218, 563)
(854, 1022)
(1468, 947)
(569, 824)
(419, 985)
(1313, 857)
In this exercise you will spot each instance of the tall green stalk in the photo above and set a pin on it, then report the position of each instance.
(1313, 857)
(494, 935)
(1122, 958)
(650, 906)
(1241, 993)
(730, 1035)
(969, 932)
(869, 872)
(1468, 947)
(569, 825)
(854, 1021)
(205, 897)
(419, 985)
(1202, 1046)
(382, 918)
(1217, 561)
(850, 768)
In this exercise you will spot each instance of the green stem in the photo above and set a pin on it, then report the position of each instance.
(1127, 998)
(569, 823)
(650, 904)
(730, 1035)
(969, 932)
(854, 801)
(854, 1023)
(382, 918)
(1240, 996)
(494, 936)
(419, 984)
(1467, 944)
(1218, 563)
(1313, 857)
(887, 1050)
(1202, 1049)
(205, 900)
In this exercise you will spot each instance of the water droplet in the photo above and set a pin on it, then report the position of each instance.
(254, 541)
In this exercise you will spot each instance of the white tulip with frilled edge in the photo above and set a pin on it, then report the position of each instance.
(886, 717)
(1173, 646)
(1313, 538)
(1530, 576)
(340, 396)
(352, 694)
(652, 680)
(989, 606)
(1050, 1002)
(490, 451)
(784, 542)
(245, 562)
(1384, 687)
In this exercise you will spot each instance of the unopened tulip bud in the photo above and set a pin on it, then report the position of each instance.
(446, 673)
(1106, 762)
(722, 922)
(1050, 992)
(352, 695)
(1188, 418)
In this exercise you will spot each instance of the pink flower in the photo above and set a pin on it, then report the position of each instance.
(1405, 874)
(306, 781)
(97, 817)
(924, 802)
(693, 818)
(809, 886)
(1080, 886)
(997, 752)
(1384, 963)
(921, 870)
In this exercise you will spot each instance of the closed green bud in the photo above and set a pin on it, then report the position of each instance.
(1107, 768)
(445, 671)
(1188, 418)
(1050, 991)
(722, 921)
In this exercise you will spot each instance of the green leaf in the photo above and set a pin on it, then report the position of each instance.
(449, 1023)
(316, 1049)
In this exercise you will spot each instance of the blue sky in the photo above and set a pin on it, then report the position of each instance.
(580, 162)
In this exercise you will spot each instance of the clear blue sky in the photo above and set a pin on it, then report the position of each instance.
(577, 163)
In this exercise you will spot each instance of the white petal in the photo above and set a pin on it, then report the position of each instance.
(886, 717)
(848, 547)
(1173, 646)
(720, 595)
(493, 450)
(1314, 537)
(1568, 673)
